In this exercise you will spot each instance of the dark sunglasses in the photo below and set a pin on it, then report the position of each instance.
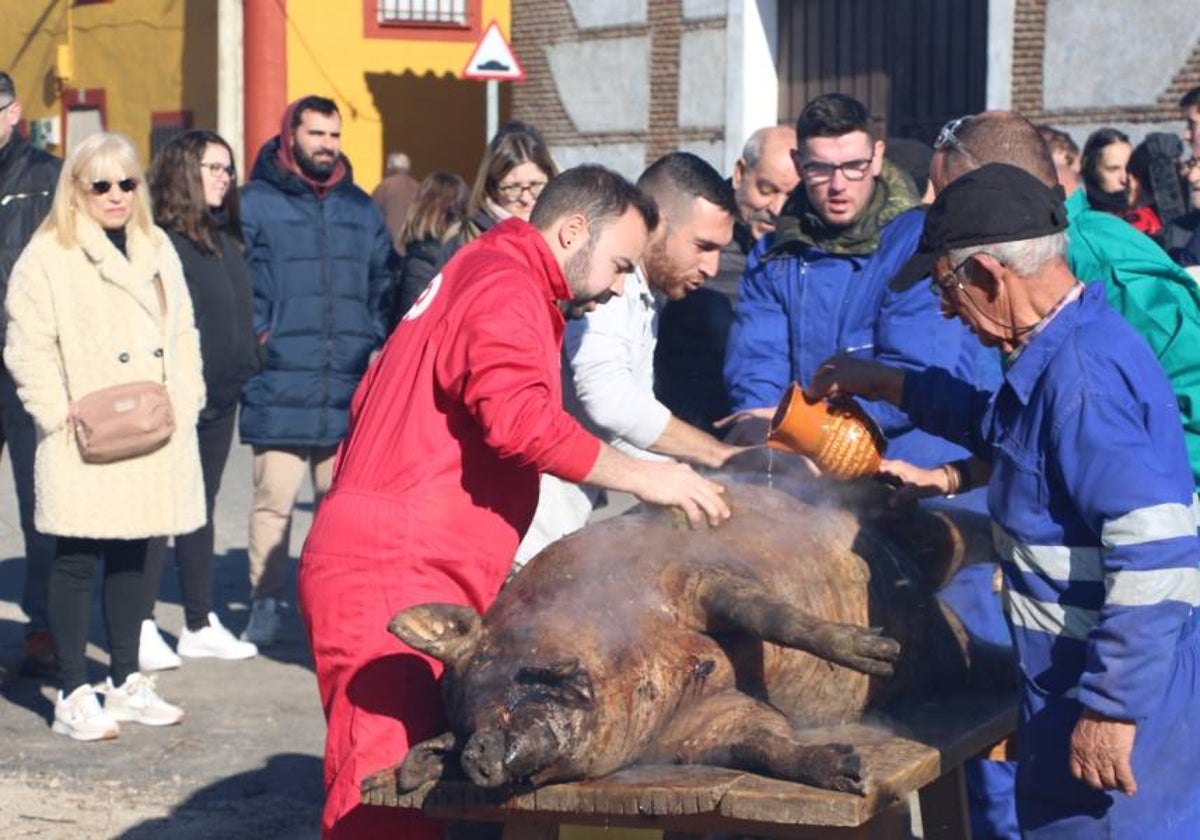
(127, 185)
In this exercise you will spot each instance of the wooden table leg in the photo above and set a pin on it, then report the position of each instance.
(529, 830)
(944, 814)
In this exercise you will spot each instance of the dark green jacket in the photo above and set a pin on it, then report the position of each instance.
(1156, 296)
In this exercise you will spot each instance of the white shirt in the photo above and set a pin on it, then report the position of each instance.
(608, 370)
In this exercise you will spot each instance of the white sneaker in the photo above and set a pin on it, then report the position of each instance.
(154, 654)
(79, 716)
(136, 701)
(215, 641)
(264, 623)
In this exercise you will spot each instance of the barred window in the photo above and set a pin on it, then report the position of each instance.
(452, 12)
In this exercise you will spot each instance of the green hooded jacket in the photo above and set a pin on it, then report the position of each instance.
(1157, 297)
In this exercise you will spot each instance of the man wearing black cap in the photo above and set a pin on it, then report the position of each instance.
(1157, 297)
(1091, 494)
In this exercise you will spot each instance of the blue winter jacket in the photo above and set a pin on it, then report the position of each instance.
(798, 306)
(321, 268)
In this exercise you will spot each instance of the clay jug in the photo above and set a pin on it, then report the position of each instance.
(836, 435)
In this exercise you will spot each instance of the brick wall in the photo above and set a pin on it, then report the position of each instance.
(1029, 52)
(665, 18)
(534, 25)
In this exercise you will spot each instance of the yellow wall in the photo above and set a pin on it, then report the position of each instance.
(394, 95)
(134, 49)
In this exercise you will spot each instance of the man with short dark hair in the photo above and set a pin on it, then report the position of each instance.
(27, 180)
(609, 353)
(438, 477)
(693, 332)
(817, 285)
(319, 255)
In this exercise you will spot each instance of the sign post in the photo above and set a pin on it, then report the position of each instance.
(493, 61)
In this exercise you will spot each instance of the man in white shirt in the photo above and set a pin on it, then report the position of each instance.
(608, 354)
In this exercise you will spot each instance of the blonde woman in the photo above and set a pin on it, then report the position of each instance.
(84, 314)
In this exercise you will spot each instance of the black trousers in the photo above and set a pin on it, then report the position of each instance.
(194, 551)
(69, 604)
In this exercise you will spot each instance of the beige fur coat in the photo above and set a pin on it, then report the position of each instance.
(86, 318)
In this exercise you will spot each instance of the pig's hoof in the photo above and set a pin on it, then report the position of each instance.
(838, 767)
(426, 761)
(865, 649)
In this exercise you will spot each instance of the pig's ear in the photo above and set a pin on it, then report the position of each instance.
(444, 631)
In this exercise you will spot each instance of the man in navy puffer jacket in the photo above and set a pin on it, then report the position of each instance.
(321, 260)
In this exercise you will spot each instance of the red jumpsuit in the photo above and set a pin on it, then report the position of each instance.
(435, 484)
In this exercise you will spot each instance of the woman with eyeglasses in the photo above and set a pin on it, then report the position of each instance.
(194, 195)
(515, 169)
(98, 299)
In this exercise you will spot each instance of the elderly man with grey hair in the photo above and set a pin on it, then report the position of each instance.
(1092, 501)
(395, 194)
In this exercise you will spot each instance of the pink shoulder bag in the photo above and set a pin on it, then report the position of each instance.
(125, 421)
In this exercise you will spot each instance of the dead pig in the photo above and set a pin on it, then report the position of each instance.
(640, 640)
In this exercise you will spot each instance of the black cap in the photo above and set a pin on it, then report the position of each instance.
(995, 203)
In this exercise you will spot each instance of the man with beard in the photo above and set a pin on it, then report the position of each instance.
(694, 331)
(608, 354)
(319, 255)
(438, 476)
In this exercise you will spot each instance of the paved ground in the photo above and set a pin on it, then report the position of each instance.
(244, 764)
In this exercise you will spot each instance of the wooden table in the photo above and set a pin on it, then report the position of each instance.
(920, 749)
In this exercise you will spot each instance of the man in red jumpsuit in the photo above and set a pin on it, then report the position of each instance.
(437, 480)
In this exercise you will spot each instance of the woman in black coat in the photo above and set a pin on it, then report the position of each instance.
(194, 188)
(432, 232)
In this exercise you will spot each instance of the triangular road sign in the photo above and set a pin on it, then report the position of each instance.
(493, 59)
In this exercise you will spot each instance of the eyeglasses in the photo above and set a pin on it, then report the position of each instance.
(512, 192)
(215, 169)
(127, 185)
(945, 284)
(818, 172)
(6, 105)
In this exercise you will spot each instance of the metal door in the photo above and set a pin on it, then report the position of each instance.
(913, 63)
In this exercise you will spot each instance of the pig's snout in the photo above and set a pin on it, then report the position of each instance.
(483, 759)
(530, 750)
(492, 758)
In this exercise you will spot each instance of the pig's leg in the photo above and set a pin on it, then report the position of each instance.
(734, 730)
(741, 604)
(428, 760)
